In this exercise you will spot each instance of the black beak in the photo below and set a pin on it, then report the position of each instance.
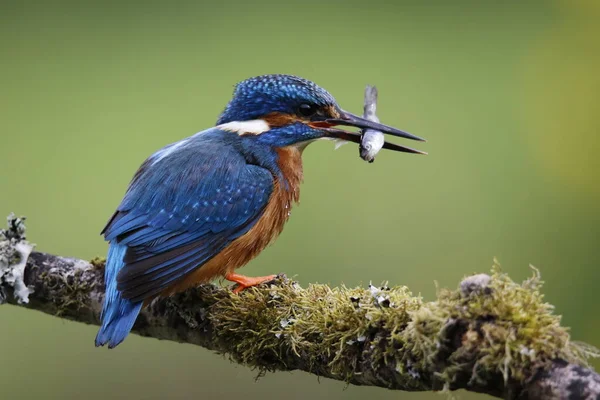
(349, 119)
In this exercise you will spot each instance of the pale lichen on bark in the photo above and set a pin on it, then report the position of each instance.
(14, 252)
(490, 335)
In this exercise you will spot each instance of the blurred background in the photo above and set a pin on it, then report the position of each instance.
(507, 94)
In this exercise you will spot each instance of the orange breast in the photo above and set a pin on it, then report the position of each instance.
(266, 229)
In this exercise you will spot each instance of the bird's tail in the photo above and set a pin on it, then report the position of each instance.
(118, 314)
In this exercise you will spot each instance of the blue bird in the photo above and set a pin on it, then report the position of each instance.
(202, 207)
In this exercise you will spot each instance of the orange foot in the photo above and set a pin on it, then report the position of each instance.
(245, 282)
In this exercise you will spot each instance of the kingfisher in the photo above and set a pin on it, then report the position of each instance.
(200, 208)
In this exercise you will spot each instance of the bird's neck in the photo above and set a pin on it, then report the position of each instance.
(290, 164)
(284, 162)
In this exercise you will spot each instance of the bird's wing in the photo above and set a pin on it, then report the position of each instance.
(182, 208)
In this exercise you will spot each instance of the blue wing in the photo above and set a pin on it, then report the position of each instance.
(186, 204)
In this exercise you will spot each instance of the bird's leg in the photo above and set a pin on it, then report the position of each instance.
(246, 281)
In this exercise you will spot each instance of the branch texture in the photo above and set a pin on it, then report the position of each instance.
(491, 335)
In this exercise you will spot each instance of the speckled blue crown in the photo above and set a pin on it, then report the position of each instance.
(258, 96)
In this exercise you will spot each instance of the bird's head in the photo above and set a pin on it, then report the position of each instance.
(285, 110)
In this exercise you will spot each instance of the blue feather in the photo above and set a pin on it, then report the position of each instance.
(127, 223)
(185, 205)
(261, 95)
(168, 276)
(118, 314)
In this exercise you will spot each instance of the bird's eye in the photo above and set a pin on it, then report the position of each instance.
(307, 110)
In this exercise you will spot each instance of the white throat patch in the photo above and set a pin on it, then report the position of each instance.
(252, 127)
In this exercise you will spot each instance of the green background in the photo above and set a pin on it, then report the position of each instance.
(507, 94)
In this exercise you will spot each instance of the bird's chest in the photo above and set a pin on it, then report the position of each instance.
(286, 192)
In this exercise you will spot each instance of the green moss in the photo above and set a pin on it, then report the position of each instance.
(511, 329)
(316, 324)
(506, 329)
(98, 262)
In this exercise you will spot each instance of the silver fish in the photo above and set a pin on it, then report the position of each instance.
(371, 141)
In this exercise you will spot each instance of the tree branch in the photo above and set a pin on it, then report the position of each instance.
(491, 335)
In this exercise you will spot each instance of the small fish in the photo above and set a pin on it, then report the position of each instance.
(371, 141)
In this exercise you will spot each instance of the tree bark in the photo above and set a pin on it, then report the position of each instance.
(491, 335)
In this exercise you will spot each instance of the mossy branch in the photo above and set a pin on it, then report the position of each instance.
(491, 335)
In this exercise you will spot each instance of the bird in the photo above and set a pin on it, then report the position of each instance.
(200, 208)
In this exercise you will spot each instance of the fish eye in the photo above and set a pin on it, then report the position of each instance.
(307, 110)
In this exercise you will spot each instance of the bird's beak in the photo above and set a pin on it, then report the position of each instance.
(348, 119)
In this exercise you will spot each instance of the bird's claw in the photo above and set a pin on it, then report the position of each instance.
(245, 282)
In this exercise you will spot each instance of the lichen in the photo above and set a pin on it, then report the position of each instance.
(69, 292)
(14, 252)
(497, 328)
(67, 285)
